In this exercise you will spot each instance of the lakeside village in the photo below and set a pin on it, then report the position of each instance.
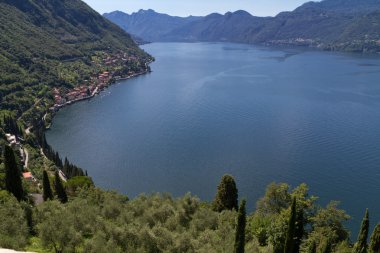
(360, 46)
(97, 83)
(88, 89)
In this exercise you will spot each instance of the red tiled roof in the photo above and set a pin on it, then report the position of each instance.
(27, 175)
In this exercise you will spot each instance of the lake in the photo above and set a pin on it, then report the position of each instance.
(260, 114)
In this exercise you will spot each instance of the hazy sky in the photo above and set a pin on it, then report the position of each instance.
(197, 7)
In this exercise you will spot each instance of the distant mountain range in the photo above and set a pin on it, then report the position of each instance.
(148, 24)
(347, 25)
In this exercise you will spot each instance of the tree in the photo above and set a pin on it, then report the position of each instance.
(227, 195)
(13, 225)
(99, 243)
(299, 230)
(312, 247)
(59, 189)
(13, 182)
(290, 235)
(47, 192)
(361, 244)
(330, 220)
(374, 245)
(277, 198)
(240, 229)
(56, 227)
(326, 246)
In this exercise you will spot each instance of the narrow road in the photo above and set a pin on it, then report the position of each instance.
(62, 175)
(42, 153)
(27, 131)
(60, 172)
(26, 158)
(38, 198)
(35, 104)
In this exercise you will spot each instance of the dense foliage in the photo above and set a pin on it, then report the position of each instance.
(94, 220)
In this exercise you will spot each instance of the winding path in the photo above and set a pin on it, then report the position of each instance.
(26, 158)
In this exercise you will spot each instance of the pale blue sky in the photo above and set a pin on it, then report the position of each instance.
(197, 7)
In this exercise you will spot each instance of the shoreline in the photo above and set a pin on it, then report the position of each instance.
(97, 90)
(55, 108)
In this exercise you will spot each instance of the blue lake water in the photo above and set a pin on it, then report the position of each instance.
(259, 114)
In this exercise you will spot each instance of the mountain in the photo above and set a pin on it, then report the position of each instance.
(345, 6)
(148, 24)
(52, 43)
(233, 27)
(348, 25)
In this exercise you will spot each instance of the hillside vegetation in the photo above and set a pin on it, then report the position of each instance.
(53, 50)
(98, 221)
(51, 53)
(41, 41)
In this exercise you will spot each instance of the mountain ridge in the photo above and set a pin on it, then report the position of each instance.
(148, 24)
(346, 25)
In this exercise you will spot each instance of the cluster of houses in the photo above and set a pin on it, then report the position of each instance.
(64, 97)
(97, 83)
(116, 59)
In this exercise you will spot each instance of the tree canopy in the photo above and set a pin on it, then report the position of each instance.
(227, 195)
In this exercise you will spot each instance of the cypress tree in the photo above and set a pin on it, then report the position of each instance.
(59, 189)
(47, 194)
(326, 246)
(13, 182)
(374, 245)
(240, 229)
(361, 244)
(290, 235)
(299, 231)
(312, 247)
(227, 196)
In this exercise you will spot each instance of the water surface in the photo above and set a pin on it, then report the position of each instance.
(260, 114)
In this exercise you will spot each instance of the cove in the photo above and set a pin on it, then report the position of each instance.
(262, 115)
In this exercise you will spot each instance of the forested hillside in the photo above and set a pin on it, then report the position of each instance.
(46, 44)
(53, 53)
